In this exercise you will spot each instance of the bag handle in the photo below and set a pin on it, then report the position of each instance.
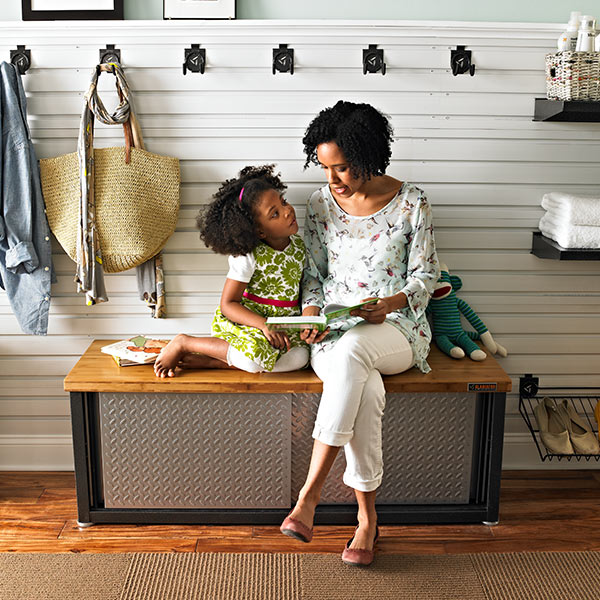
(126, 130)
(138, 140)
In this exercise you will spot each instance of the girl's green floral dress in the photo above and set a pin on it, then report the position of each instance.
(276, 278)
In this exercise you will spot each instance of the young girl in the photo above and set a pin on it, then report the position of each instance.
(250, 220)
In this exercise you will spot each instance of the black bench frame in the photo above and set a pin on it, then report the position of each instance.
(483, 505)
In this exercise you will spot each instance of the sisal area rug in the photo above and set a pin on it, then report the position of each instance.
(220, 576)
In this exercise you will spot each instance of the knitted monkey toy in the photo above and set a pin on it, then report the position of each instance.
(445, 309)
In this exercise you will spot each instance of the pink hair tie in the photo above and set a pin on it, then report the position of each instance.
(241, 194)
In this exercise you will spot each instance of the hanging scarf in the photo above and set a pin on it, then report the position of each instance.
(89, 274)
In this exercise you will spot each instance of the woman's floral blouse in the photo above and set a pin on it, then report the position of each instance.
(352, 258)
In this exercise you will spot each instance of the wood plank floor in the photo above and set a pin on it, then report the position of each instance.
(539, 511)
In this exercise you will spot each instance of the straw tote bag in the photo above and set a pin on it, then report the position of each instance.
(136, 196)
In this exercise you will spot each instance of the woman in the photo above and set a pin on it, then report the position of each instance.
(367, 235)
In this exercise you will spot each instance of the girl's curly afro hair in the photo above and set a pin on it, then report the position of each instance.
(363, 134)
(227, 224)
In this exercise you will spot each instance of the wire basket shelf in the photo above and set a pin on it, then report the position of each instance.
(583, 403)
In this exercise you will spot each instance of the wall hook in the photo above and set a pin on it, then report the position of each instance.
(460, 61)
(110, 54)
(283, 59)
(373, 60)
(528, 385)
(195, 59)
(21, 58)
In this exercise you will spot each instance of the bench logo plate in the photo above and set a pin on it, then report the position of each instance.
(482, 387)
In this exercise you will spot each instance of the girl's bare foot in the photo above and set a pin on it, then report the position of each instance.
(169, 357)
(200, 361)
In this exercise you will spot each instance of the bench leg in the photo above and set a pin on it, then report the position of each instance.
(496, 402)
(81, 445)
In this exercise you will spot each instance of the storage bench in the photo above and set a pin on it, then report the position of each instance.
(229, 447)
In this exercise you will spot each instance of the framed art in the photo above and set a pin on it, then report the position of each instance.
(57, 10)
(199, 9)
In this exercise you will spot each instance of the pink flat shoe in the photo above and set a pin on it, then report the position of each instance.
(359, 557)
(296, 529)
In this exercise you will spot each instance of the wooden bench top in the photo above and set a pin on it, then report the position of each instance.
(98, 372)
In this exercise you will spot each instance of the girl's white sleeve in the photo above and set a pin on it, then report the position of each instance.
(241, 268)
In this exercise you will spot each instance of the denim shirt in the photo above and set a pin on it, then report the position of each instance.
(26, 269)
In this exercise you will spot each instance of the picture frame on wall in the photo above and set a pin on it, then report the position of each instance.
(198, 9)
(58, 10)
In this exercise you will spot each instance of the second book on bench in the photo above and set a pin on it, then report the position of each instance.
(330, 313)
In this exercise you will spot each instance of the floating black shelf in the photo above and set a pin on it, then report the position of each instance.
(567, 110)
(544, 247)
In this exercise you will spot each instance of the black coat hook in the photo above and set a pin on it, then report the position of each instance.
(21, 58)
(195, 59)
(460, 61)
(110, 54)
(373, 60)
(283, 59)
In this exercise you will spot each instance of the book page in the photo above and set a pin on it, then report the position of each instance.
(336, 311)
(139, 349)
(307, 322)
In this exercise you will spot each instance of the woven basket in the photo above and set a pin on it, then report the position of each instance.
(136, 204)
(573, 76)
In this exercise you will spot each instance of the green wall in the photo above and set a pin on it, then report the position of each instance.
(532, 11)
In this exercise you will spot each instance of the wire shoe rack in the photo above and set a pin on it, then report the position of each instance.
(582, 400)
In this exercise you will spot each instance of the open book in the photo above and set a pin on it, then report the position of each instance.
(138, 350)
(330, 313)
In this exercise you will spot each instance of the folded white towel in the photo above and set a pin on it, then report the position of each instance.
(570, 236)
(577, 210)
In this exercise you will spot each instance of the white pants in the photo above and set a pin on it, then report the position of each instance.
(295, 358)
(351, 408)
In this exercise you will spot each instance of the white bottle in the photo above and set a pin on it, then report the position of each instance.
(586, 36)
(568, 38)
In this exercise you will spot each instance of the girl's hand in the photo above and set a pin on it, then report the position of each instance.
(312, 336)
(277, 339)
(376, 313)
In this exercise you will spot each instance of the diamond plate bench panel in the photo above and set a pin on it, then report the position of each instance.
(195, 450)
(427, 449)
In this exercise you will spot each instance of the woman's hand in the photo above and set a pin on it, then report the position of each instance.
(312, 336)
(376, 313)
(277, 339)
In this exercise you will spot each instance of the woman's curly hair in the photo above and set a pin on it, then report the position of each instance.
(227, 224)
(363, 134)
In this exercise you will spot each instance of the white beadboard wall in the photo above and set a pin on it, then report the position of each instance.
(470, 142)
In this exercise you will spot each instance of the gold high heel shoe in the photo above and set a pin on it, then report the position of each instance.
(553, 428)
(582, 437)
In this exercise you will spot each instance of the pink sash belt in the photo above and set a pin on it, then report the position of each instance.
(281, 303)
